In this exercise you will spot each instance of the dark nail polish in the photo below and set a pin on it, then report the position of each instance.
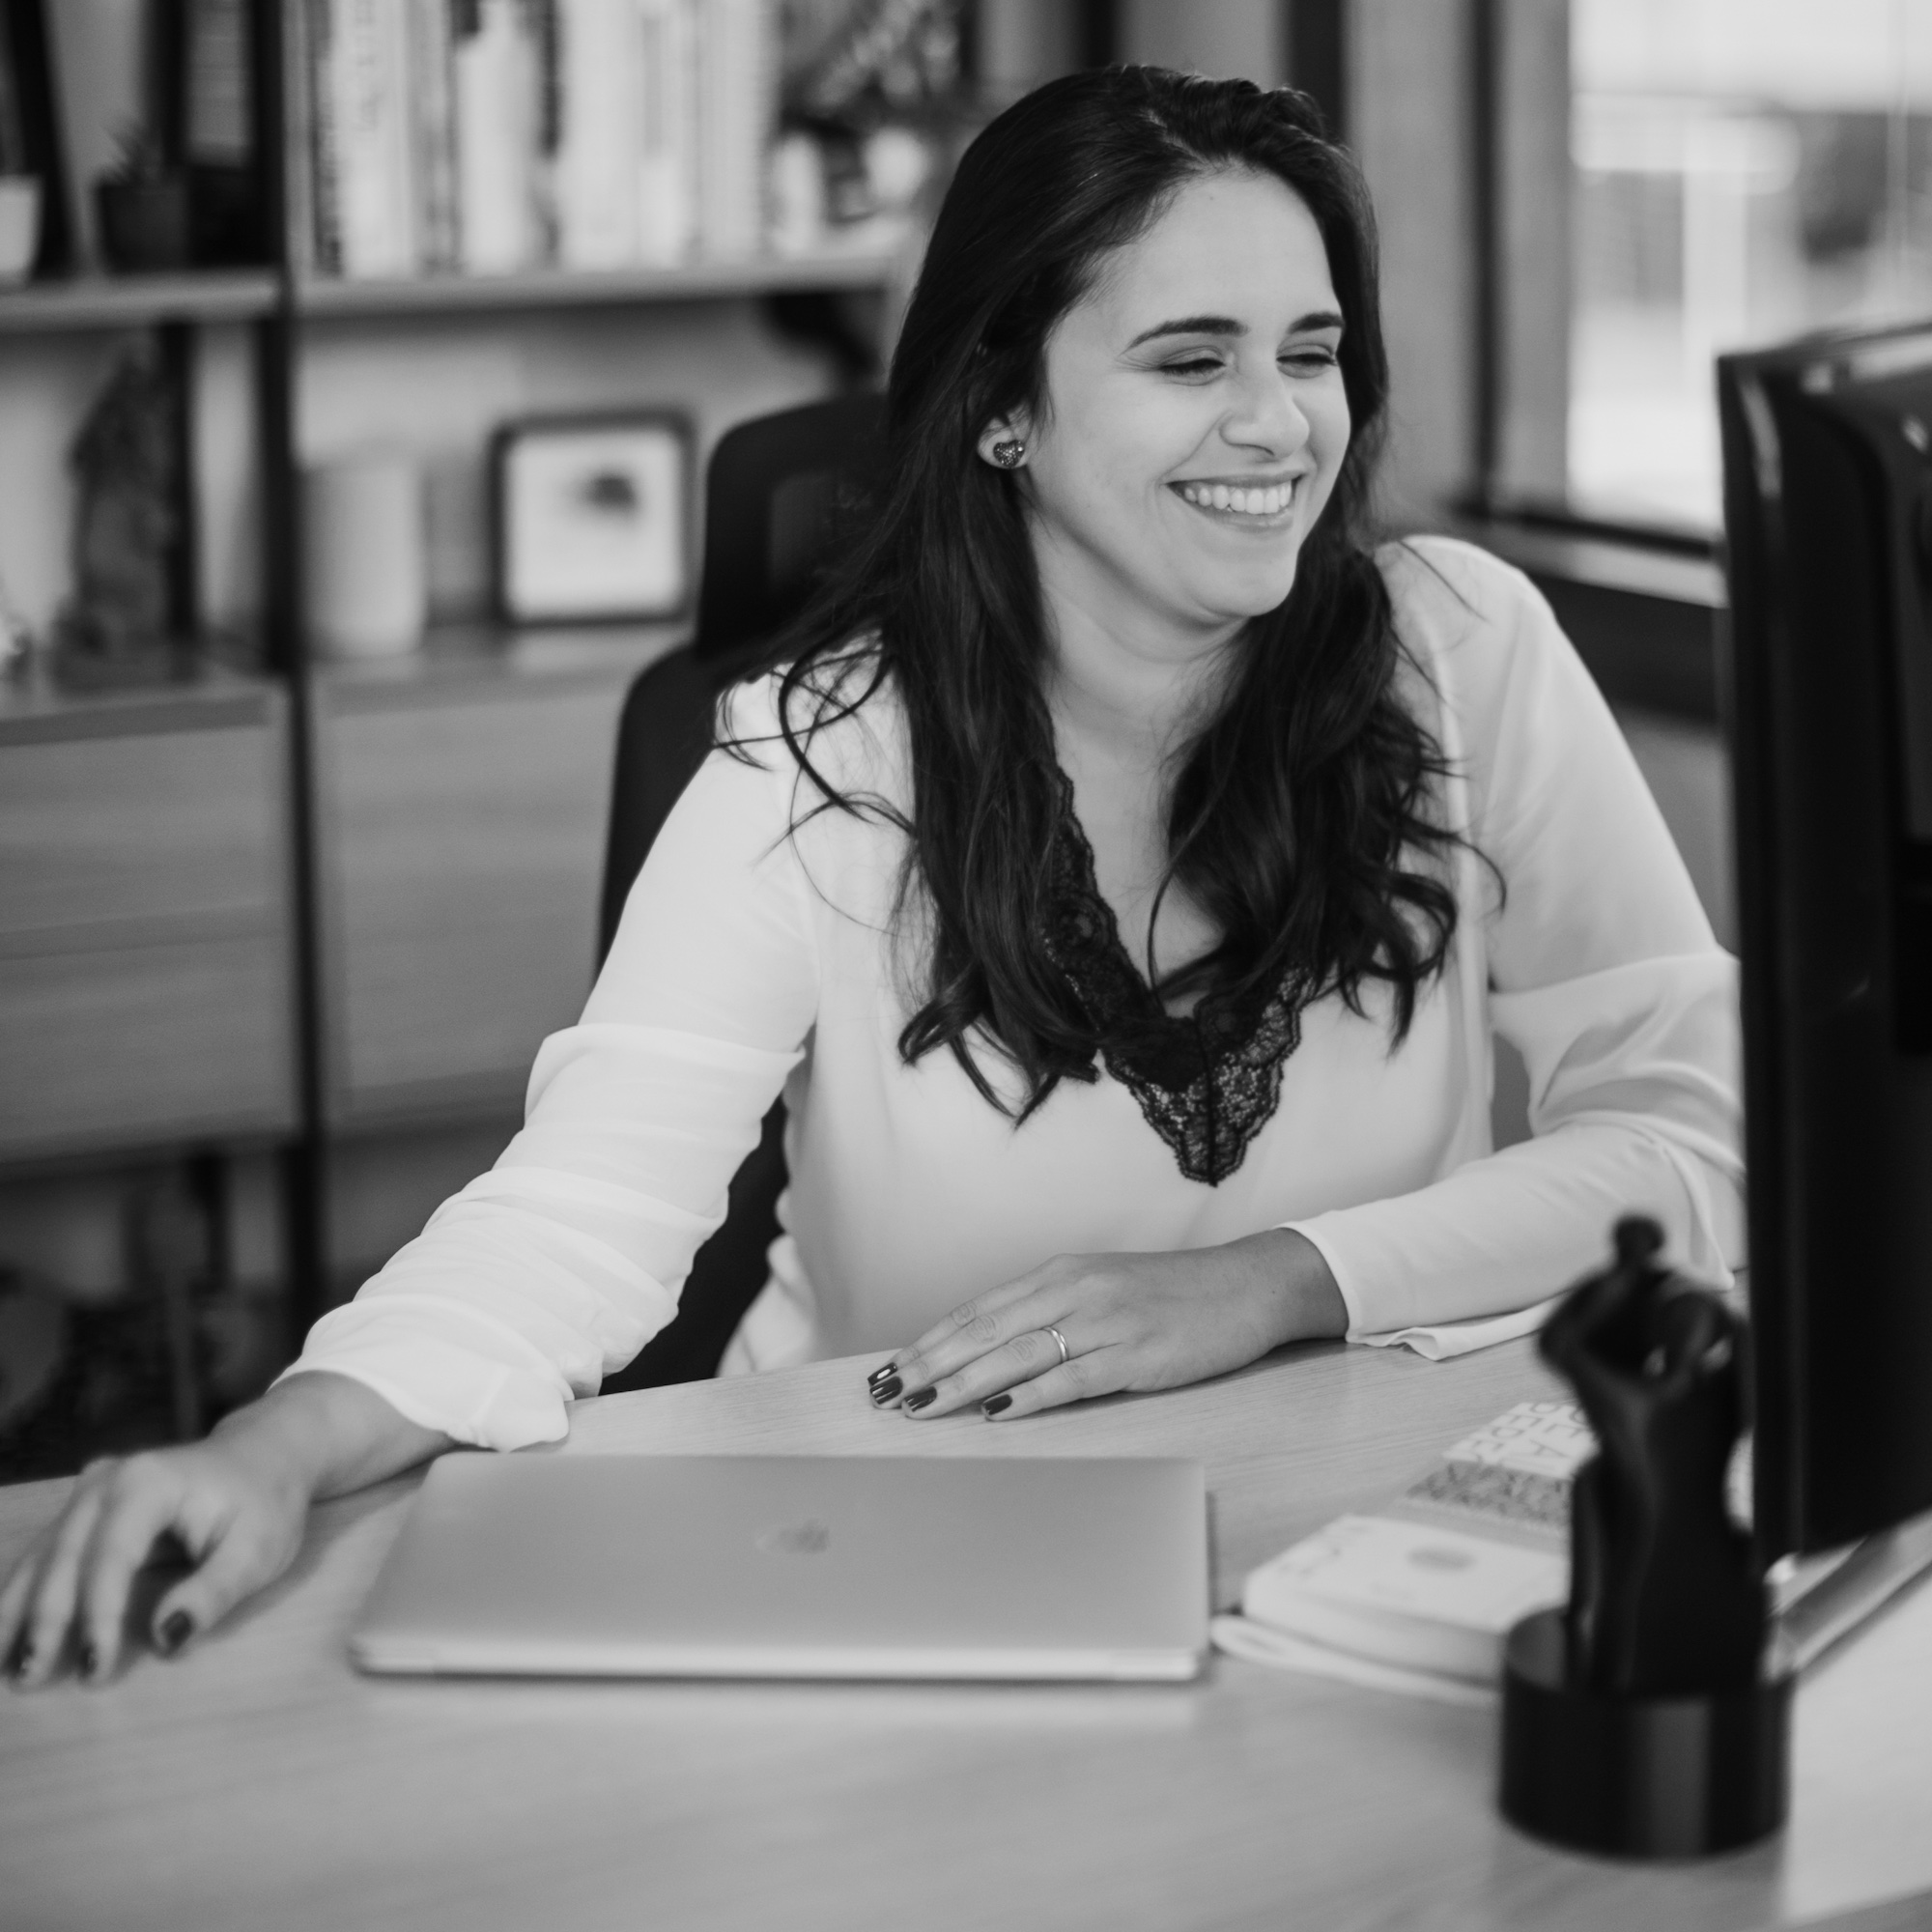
(994, 1404)
(883, 1392)
(175, 1632)
(90, 1658)
(879, 1375)
(917, 1402)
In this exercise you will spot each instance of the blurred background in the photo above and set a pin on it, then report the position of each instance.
(308, 690)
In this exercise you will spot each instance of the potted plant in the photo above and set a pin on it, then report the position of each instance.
(143, 207)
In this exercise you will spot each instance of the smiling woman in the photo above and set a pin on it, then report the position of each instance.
(1123, 869)
(1143, 290)
(1173, 478)
(1240, 414)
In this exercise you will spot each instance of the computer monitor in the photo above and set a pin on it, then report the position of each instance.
(1827, 700)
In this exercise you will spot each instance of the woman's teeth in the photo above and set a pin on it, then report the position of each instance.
(1266, 503)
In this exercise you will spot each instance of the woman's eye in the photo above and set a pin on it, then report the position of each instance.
(1308, 361)
(1193, 365)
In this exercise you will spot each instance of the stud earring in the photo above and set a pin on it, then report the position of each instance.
(1009, 455)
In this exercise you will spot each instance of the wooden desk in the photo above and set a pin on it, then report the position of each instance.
(259, 1783)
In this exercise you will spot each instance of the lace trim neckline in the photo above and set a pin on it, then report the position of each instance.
(1206, 1081)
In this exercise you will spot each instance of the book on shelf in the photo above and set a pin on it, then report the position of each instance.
(496, 87)
(1425, 1590)
(433, 133)
(373, 149)
(496, 135)
(217, 105)
(736, 82)
(216, 89)
(667, 133)
(599, 159)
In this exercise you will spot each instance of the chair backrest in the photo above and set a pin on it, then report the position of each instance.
(775, 498)
(774, 495)
(777, 494)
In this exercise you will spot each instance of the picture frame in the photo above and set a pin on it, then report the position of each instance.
(591, 518)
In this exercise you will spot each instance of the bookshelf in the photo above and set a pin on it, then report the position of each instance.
(870, 269)
(307, 775)
(135, 302)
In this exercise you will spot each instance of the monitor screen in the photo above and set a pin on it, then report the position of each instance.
(1828, 693)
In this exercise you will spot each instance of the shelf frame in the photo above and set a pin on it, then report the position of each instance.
(200, 297)
(139, 301)
(320, 296)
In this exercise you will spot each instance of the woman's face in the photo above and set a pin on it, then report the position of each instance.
(1195, 419)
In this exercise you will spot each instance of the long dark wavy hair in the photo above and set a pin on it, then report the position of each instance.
(1301, 816)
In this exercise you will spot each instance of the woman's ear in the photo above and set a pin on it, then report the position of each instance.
(1003, 442)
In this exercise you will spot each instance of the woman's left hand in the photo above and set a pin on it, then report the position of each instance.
(1130, 1322)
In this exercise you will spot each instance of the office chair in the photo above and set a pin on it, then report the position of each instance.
(776, 499)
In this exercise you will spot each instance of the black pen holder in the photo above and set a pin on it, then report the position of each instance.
(1638, 1777)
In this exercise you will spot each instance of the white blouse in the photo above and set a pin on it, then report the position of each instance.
(753, 957)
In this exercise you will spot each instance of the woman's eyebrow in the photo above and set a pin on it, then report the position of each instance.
(1191, 325)
(1223, 324)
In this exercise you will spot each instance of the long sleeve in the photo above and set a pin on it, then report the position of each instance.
(1601, 968)
(558, 1265)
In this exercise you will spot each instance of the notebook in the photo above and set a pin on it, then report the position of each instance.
(795, 1565)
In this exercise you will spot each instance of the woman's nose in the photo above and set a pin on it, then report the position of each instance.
(1267, 414)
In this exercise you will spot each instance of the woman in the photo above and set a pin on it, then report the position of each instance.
(1121, 880)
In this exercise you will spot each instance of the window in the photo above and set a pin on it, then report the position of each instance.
(1743, 171)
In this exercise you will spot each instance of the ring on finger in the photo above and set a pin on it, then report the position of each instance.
(1060, 1340)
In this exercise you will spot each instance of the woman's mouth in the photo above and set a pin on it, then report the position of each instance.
(1252, 505)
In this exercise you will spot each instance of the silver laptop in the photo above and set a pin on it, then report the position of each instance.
(795, 1565)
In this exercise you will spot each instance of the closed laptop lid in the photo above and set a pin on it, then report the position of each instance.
(796, 1566)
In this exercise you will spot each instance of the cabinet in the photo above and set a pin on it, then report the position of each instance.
(147, 971)
(462, 801)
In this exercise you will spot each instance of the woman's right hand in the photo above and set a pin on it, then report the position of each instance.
(240, 1521)
(236, 1505)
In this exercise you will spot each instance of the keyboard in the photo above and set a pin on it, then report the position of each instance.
(1542, 1439)
(1515, 1470)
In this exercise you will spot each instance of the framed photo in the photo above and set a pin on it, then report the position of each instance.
(592, 517)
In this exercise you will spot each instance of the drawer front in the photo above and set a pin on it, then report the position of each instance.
(464, 844)
(104, 832)
(136, 1045)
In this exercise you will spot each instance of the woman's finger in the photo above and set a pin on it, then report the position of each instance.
(970, 1330)
(1106, 1371)
(971, 1314)
(1031, 1353)
(50, 1613)
(143, 1500)
(14, 1597)
(1051, 1297)
(248, 1554)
